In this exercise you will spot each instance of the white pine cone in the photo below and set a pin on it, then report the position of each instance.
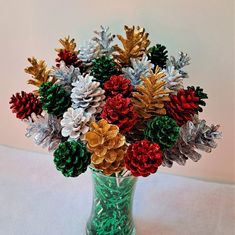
(88, 52)
(173, 79)
(88, 95)
(104, 40)
(75, 123)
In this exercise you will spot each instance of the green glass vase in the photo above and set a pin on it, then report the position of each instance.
(112, 205)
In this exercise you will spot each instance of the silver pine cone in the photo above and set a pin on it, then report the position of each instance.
(87, 94)
(140, 67)
(65, 75)
(180, 63)
(194, 135)
(45, 130)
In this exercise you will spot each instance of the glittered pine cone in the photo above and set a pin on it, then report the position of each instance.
(72, 158)
(199, 93)
(143, 158)
(118, 85)
(103, 68)
(158, 55)
(107, 146)
(182, 106)
(120, 111)
(162, 130)
(69, 58)
(24, 104)
(54, 98)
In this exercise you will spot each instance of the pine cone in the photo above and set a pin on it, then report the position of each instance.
(54, 98)
(69, 58)
(199, 93)
(143, 158)
(180, 63)
(72, 158)
(65, 75)
(75, 123)
(103, 68)
(88, 52)
(149, 98)
(87, 94)
(25, 104)
(39, 72)
(120, 111)
(134, 46)
(173, 79)
(194, 135)
(158, 55)
(68, 54)
(45, 130)
(139, 68)
(162, 130)
(118, 85)
(104, 40)
(107, 146)
(182, 106)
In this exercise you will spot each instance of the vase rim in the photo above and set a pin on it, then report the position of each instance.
(119, 176)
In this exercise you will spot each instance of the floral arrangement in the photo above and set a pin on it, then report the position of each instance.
(120, 108)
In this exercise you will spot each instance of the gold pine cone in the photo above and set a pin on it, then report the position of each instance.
(107, 146)
(150, 97)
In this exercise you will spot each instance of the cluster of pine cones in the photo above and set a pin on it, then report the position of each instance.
(114, 107)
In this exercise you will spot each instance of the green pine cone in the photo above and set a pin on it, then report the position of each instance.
(72, 158)
(162, 130)
(103, 68)
(158, 55)
(199, 92)
(55, 99)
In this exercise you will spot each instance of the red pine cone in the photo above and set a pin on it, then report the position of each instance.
(143, 158)
(25, 104)
(120, 111)
(118, 85)
(69, 58)
(182, 106)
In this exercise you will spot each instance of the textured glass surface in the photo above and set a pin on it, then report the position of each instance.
(112, 206)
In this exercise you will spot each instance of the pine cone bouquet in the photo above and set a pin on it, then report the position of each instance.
(107, 146)
(121, 108)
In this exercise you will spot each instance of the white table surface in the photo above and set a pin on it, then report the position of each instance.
(35, 199)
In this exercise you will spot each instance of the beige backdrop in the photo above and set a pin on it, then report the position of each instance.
(204, 29)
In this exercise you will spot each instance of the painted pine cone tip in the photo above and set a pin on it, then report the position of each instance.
(143, 158)
(162, 130)
(55, 99)
(72, 158)
(24, 104)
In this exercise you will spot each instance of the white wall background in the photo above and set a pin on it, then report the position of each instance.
(204, 29)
